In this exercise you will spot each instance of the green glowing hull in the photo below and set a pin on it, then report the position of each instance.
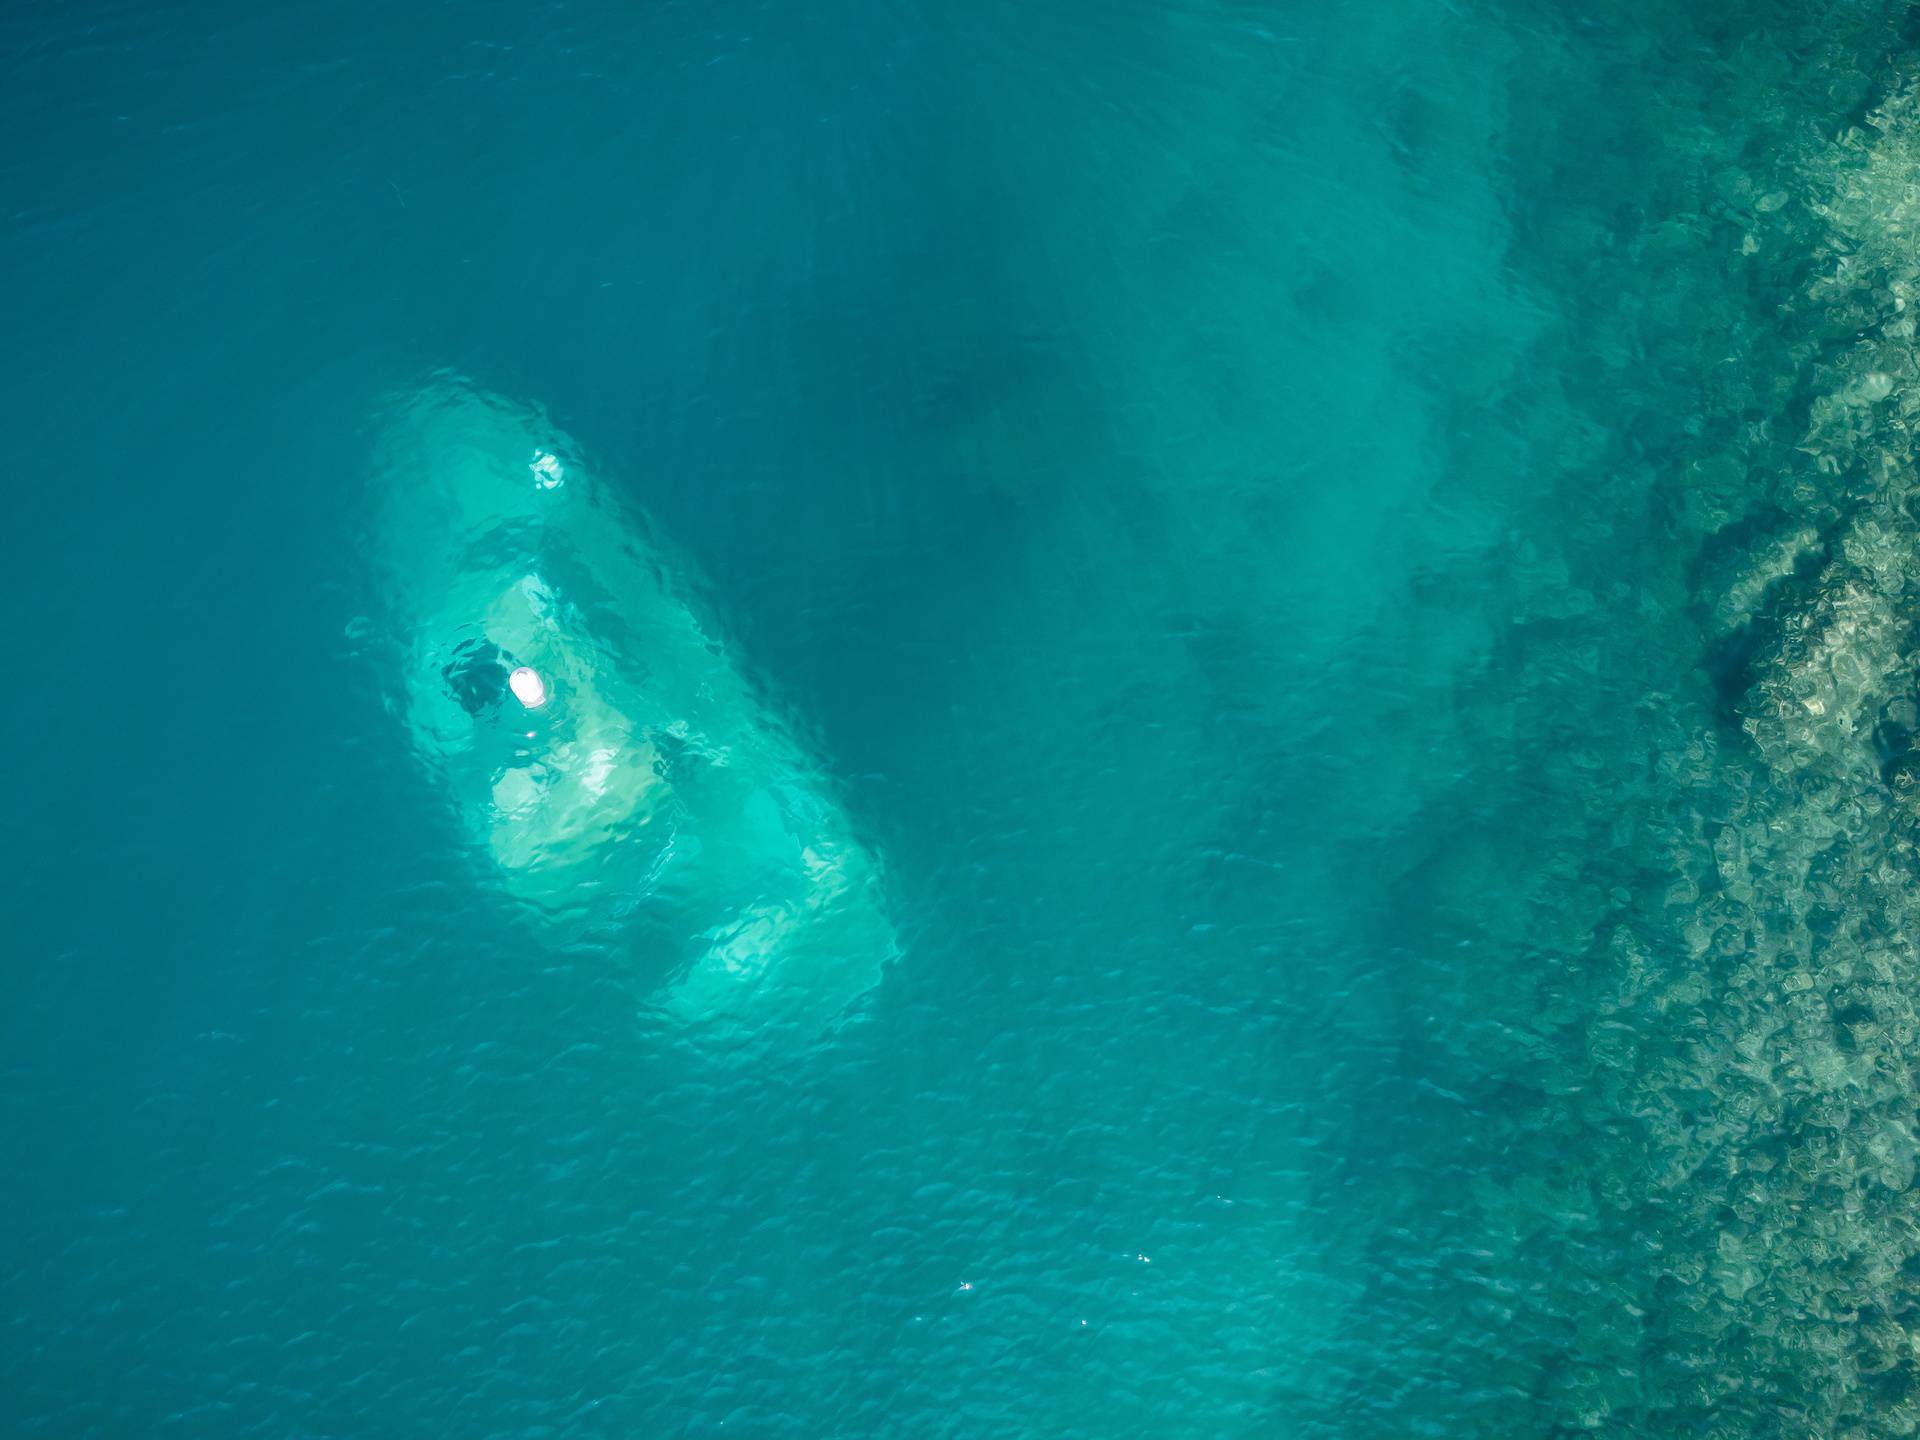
(653, 803)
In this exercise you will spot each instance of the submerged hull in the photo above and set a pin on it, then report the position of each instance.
(647, 796)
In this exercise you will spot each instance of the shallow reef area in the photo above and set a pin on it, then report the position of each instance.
(1679, 974)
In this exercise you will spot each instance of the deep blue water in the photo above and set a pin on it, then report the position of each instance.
(1347, 569)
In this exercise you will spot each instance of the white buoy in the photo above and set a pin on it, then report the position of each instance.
(547, 473)
(528, 688)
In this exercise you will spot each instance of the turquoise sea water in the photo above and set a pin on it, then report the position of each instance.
(1234, 732)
